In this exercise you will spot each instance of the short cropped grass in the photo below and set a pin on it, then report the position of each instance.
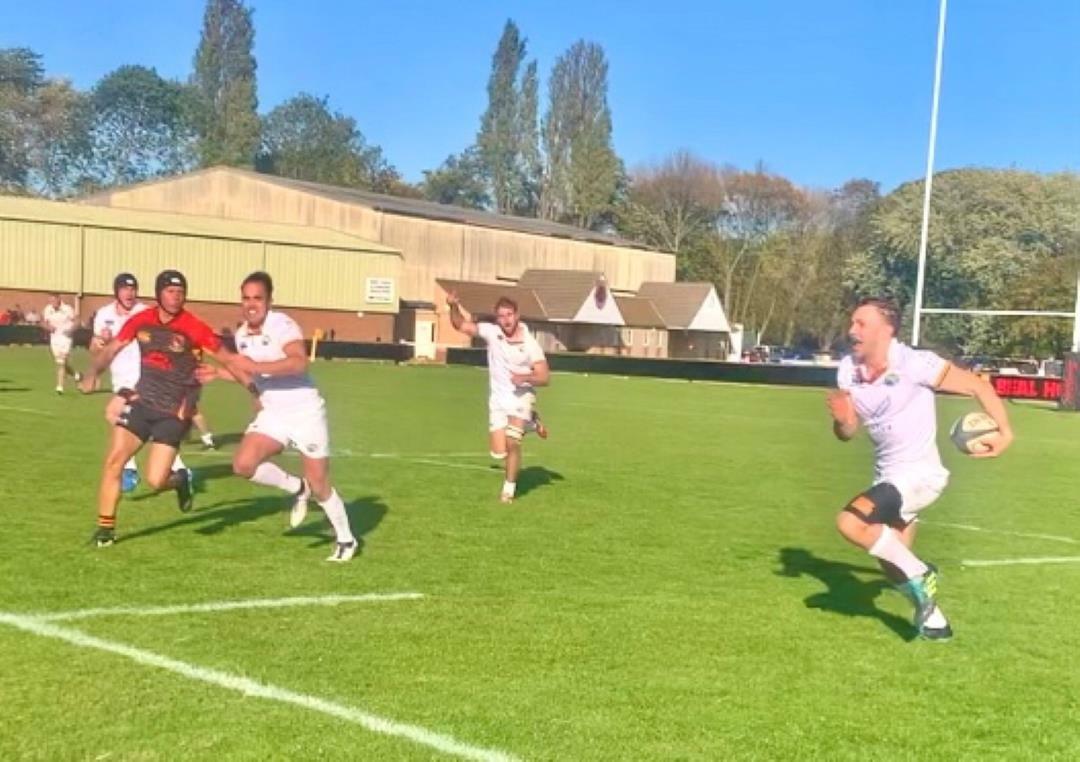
(669, 584)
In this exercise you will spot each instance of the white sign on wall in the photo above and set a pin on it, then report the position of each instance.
(379, 291)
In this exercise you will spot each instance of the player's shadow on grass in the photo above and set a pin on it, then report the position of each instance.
(14, 388)
(220, 440)
(203, 474)
(845, 593)
(533, 477)
(218, 517)
(365, 513)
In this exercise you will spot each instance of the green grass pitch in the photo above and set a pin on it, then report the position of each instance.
(669, 585)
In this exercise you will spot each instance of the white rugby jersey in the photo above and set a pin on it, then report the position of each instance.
(898, 408)
(506, 357)
(107, 323)
(59, 320)
(277, 331)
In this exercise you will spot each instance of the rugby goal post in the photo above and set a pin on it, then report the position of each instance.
(920, 278)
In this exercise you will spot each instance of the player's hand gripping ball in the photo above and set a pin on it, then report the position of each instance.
(970, 432)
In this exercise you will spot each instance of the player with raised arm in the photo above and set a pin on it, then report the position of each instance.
(888, 387)
(160, 407)
(58, 319)
(516, 366)
(273, 363)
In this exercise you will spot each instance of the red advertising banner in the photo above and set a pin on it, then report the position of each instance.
(1028, 387)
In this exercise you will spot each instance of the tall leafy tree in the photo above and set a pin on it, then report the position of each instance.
(43, 128)
(531, 161)
(504, 130)
(582, 174)
(21, 76)
(224, 82)
(61, 148)
(673, 205)
(997, 238)
(141, 127)
(303, 139)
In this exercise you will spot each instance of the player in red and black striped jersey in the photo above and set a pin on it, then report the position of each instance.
(161, 406)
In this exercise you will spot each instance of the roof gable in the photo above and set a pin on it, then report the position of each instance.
(688, 306)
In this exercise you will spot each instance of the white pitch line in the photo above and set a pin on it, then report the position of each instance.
(350, 454)
(429, 462)
(1024, 561)
(29, 410)
(425, 454)
(373, 722)
(1005, 532)
(200, 608)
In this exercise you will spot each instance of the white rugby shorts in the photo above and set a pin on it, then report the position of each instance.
(302, 428)
(501, 409)
(918, 489)
(60, 346)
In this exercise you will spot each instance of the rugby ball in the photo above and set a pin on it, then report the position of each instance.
(969, 430)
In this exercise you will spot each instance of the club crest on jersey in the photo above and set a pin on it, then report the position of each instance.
(892, 378)
(177, 343)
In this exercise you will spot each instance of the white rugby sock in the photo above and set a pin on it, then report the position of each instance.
(335, 511)
(131, 464)
(272, 475)
(937, 619)
(178, 463)
(509, 488)
(889, 548)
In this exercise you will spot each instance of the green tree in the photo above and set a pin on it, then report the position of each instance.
(141, 127)
(21, 75)
(304, 140)
(459, 180)
(994, 236)
(60, 144)
(532, 166)
(504, 132)
(224, 83)
(43, 128)
(582, 172)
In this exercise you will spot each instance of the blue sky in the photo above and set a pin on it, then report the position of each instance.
(820, 91)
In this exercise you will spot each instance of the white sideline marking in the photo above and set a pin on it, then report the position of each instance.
(1007, 533)
(373, 722)
(423, 454)
(429, 462)
(26, 410)
(1024, 561)
(200, 608)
